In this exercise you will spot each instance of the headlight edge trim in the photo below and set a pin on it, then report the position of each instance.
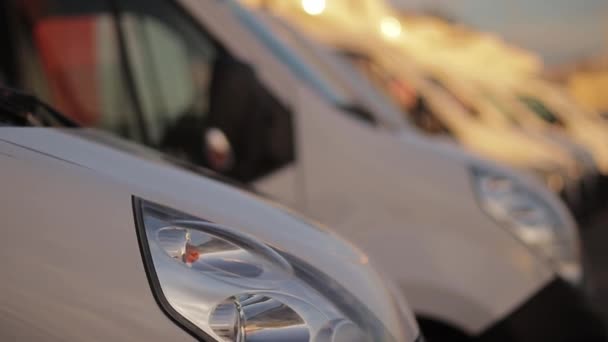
(153, 280)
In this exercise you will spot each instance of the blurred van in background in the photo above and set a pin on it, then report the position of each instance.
(428, 102)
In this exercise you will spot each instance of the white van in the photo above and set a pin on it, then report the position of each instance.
(477, 248)
(511, 110)
(445, 114)
(340, 83)
(490, 110)
(106, 240)
(556, 107)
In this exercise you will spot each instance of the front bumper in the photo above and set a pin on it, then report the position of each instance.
(557, 313)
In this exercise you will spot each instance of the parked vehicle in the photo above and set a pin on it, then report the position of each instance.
(347, 88)
(427, 102)
(555, 107)
(189, 78)
(516, 112)
(491, 110)
(124, 236)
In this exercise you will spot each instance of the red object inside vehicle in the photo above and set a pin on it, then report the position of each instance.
(68, 49)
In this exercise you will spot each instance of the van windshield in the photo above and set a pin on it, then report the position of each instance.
(538, 107)
(503, 108)
(300, 56)
(415, 107)
(460, 101)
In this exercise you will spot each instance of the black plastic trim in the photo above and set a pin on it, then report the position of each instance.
(436, 330)
(558, 313)
(420, 339)
(157, 291)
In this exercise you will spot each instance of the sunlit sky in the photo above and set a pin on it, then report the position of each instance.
(560, 30)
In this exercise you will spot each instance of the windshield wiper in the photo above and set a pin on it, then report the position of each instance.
(23, 109)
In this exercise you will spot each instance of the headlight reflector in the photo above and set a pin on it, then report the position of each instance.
(256, 317)
(218, 257)
(530, 219)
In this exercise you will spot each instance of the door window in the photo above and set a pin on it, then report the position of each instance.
(70, 57)
(199, 101)
(146, 67)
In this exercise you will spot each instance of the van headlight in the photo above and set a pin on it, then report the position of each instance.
(222, 285)
(531, 219)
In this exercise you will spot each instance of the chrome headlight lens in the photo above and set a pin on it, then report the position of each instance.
(223, 285)
(531, 219)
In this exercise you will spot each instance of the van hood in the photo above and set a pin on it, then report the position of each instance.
(154, 179)
(449, 149)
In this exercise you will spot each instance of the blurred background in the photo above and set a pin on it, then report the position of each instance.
(516, 87)
(561, 44)
(578, 29)
(571, 37)
(571, 40)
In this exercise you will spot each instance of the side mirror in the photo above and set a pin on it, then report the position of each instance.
(218, 150)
